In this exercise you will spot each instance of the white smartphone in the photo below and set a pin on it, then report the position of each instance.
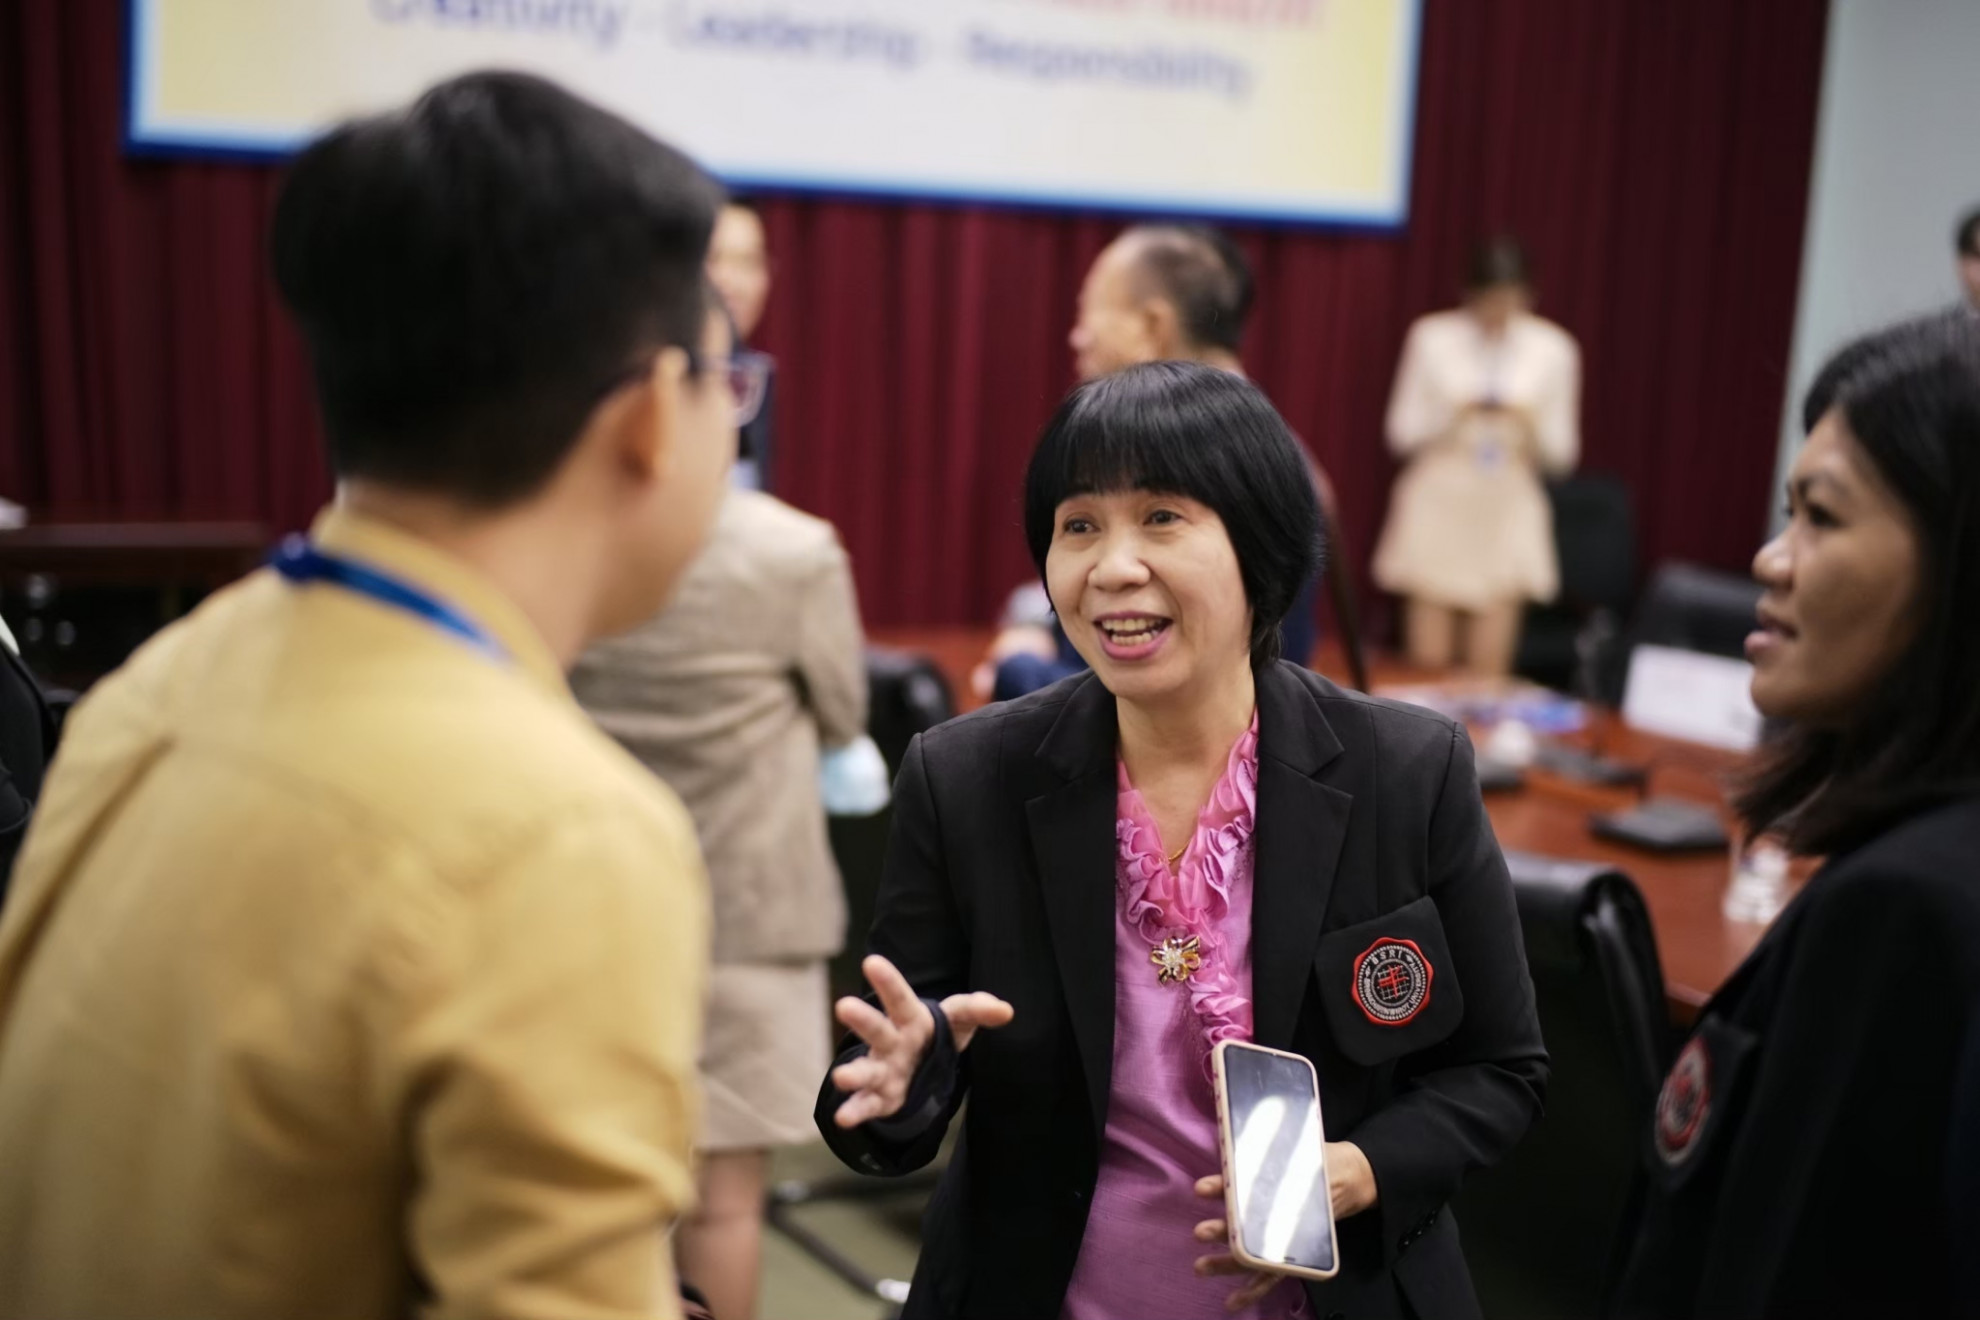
(1276, 1199)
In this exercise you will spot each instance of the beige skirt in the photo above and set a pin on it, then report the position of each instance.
(1467, 533)
(769, 1042)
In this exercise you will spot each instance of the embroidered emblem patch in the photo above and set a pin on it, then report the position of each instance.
(1684, 1103)
(1392, 981)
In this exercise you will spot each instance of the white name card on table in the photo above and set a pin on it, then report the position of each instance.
(1688, 694)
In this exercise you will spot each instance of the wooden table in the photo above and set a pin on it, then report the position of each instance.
(150, 554)
(1697, 945)
(82, 596)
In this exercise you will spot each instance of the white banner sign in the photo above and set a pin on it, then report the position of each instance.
(1288, 110)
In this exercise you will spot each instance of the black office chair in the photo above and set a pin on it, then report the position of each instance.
(1697, 609)
(906, 695)
(1595, 538)
(1688, 608)
(1542, 1232)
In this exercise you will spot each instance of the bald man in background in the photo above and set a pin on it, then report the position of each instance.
(1163, 293)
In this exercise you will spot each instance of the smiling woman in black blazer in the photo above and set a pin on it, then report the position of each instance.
(1815, 1149)
(1052, 856)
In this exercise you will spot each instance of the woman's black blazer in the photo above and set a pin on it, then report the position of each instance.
(1816, 1148)
(1000, 876)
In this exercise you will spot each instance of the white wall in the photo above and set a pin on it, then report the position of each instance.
(1897, 161)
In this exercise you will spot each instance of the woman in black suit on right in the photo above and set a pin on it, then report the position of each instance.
(1813, 1151)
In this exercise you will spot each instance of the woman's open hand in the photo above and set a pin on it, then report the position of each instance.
(898, 1039)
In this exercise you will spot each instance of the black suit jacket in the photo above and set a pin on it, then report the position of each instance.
(758, 440)
(1001, 877)
(1816, 1149)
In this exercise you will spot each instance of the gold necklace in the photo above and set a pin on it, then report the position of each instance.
(1178, 957)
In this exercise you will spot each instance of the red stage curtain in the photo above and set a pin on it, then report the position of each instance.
(1653, 154)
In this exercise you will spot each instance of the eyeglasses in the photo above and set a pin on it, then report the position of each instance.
(747, 374)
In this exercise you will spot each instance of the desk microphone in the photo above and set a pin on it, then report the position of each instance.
(1591, 644)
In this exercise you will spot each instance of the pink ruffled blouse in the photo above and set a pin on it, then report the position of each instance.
(1138, 1254)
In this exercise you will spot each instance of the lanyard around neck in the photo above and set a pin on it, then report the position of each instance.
(300, 562)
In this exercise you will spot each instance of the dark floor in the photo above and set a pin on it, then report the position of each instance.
(878, 1234)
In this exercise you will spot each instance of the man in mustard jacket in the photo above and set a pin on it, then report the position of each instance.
(349, 971)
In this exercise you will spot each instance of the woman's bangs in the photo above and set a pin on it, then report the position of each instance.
(1101, 459)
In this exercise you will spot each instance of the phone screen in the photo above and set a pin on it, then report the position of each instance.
(1278, 1180)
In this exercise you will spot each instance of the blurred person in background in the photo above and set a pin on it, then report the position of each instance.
(1158, 293)
(1486, 406)
(729, 695)
(1163, 293)
(1966, 260)
(349, 969)
(1812, 1152)
(739, 267)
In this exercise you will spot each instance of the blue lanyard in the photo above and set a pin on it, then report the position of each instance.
(300, 562)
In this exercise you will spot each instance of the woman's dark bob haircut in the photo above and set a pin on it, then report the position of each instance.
(1910, 398)
(1181, 428)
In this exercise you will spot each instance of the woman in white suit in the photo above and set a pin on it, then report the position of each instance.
(1486, 404)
